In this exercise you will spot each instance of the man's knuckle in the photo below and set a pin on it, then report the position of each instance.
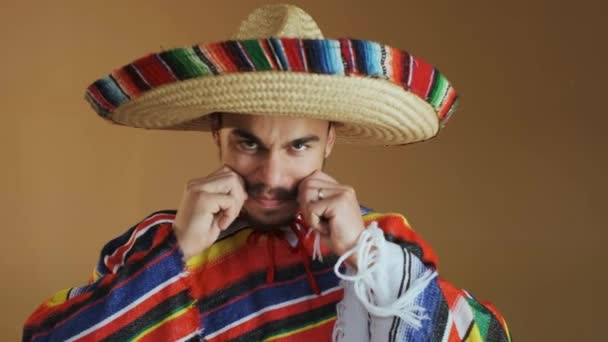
(307, 183)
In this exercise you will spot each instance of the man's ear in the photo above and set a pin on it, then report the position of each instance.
(331, 139)
(215, 120)
(216, 137)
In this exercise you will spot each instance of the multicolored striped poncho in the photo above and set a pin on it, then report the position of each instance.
(248, 286)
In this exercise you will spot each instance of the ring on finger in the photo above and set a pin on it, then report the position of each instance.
(320, 194)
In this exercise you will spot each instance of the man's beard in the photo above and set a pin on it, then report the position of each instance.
(279, 193)
(261, 224)
(267, 220)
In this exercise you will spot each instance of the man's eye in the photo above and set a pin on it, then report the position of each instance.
(248, 145)
(299, 147)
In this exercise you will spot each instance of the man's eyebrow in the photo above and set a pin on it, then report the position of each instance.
(304, 140)
(243, 134)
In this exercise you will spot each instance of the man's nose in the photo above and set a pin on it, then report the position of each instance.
(272, 170)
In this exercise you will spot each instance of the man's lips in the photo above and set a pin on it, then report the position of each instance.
(268, 202)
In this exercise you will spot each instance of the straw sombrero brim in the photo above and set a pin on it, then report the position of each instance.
(377, 94)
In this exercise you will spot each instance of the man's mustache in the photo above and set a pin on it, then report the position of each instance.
(278, 193)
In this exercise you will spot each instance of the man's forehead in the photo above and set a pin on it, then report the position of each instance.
(261, 123)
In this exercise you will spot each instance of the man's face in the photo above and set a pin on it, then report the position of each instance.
(273, 155)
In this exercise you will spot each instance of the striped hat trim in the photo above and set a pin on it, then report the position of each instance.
(340, 57)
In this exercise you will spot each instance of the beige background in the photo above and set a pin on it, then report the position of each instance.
(511, 194)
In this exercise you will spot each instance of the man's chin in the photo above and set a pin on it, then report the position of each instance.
(271, 218)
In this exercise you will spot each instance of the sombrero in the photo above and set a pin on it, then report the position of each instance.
(279, 63)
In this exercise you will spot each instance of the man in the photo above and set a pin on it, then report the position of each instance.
(270, 247)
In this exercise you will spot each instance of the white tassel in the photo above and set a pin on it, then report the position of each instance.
(339, 331)
(316, 247)
(369, 251)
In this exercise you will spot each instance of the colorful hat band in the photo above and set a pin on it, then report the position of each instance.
(341, 57)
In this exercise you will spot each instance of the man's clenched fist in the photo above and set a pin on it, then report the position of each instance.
(208, 206)
(331, 209)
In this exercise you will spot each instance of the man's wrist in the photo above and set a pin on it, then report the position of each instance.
(182, 243)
